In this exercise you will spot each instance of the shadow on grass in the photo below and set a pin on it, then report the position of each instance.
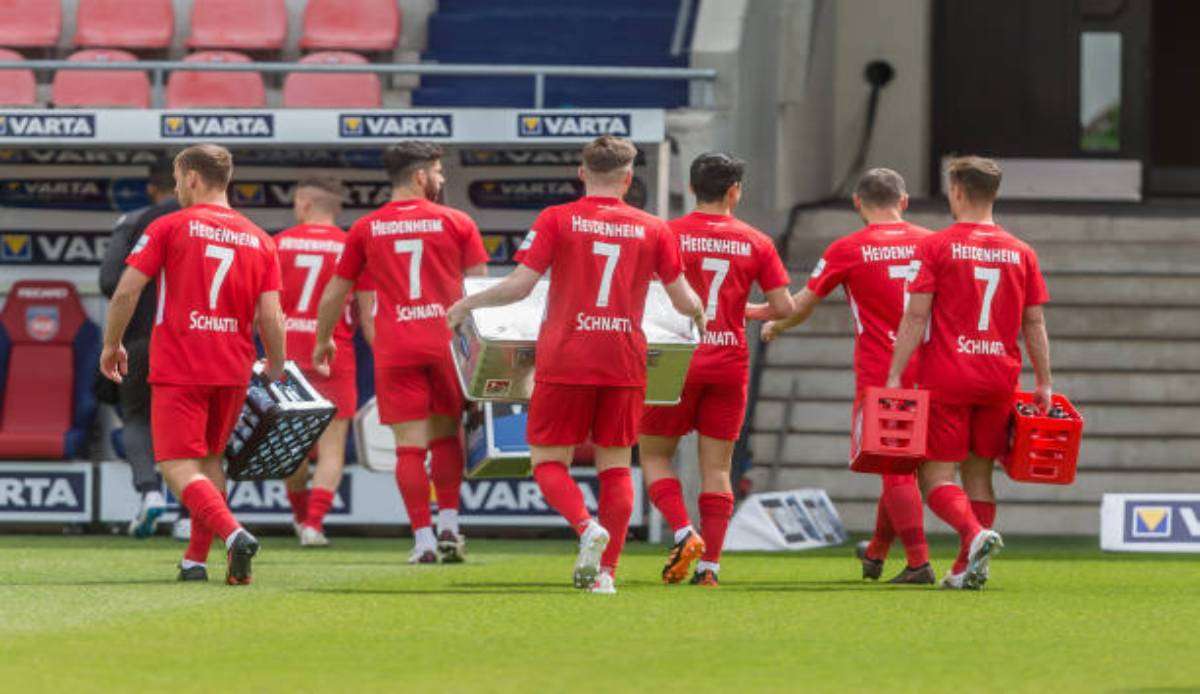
(81, 584)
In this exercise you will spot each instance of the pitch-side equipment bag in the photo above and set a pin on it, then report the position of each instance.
(279, 424)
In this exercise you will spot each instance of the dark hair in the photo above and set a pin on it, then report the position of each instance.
(162, 176)
(978, 177)
(714, 173)
(880, 188)
(214, 163)
(403, 159)
(607, 154)
(332, 192)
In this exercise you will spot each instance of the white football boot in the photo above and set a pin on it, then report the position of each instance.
(182, 530)
(591, 545)
(603, 585)
(152, 507)
(311, 537)
(983, 546)
(953, 581)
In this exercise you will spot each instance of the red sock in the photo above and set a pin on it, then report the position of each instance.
(616, 507)
(447, 467)
(902, 499)
(207, 505)
(199, 543)
(950, 503)
(561, 492)
(319, 502)
(667, 496)
(985, 512)
(414, 485)
(299, 502)
(716, 508)
(881, 541)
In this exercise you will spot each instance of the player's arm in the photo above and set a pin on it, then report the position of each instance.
(805, 302)
(270, 329)
(516, 286)
(912, 329)
(479, 270)
(329, 312)
(114, 363)
(686, 301)
(366, 314)
(1037, 343)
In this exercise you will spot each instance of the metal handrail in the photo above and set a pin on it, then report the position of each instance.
(539, 73)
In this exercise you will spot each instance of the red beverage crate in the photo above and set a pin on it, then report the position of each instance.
(889, 429)
(1044, 449)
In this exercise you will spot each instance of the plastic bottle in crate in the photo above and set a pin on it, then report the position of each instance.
(1044, 447)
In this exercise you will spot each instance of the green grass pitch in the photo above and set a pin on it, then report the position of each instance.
(88, 613)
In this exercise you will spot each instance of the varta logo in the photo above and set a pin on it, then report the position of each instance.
(396, 125)
(249, 194)
(573, 125)
(260, 125)
(1152, 521)
(16, 248)
(21, 125)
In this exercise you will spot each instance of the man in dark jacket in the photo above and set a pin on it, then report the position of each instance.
(134, 392)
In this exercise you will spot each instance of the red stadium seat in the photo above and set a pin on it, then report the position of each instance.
(17, 87)
(356, 25)
(124, 24)
(30, 23)
(188, 89)
(326, 90)
(101, 88)
(48, 355)
(252, 25)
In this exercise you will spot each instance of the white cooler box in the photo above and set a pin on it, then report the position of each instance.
(496, 444)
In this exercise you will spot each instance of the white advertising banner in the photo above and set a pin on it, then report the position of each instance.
(784, 521)
(45, 492)
(1150, 523)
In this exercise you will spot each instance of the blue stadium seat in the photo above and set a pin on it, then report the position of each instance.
(553, 32)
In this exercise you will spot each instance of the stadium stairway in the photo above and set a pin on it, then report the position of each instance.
(1124, 322)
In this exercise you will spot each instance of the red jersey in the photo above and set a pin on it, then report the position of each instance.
(603, 254)
(982, 279)
(308, 254)
(722, 259)
(416, 252)
(212, 265)
(872, 266)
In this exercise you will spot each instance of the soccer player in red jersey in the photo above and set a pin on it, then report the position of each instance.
(215, 269)
(977, 288)
(872, 265)
(590, 368)
(417, 253)
(308, 253)
(722, 258)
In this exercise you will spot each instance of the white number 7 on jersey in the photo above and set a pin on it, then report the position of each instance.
(720, 267)
(225, 255)
(991, 275)
(416, 247)
(611, 253)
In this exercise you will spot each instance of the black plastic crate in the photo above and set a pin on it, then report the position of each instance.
(279, 425)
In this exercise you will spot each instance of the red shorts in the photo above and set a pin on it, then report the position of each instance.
(192, 422)
(340, 388)
(958, 430)
(564, 415)
(715, 410)
(409, 393)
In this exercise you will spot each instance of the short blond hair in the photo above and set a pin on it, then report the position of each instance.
(213, 163)
(978, 177)
(608, 154)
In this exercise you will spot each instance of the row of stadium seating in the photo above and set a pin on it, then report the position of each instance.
(193, 89)
(248, 25)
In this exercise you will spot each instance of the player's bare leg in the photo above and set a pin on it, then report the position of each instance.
(666, 493)
(950, 503)
(616, 508)
(446, 466)
(331, 459)
(296, 485)
(551, 471)
(716, 506)
(412, 444)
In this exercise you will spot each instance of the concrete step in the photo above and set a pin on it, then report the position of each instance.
(1069, 354)
(1063, 320)
(1012, 520)
(1102, 420)
(1098, 452)
(1033, 227)
(1082, 387)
